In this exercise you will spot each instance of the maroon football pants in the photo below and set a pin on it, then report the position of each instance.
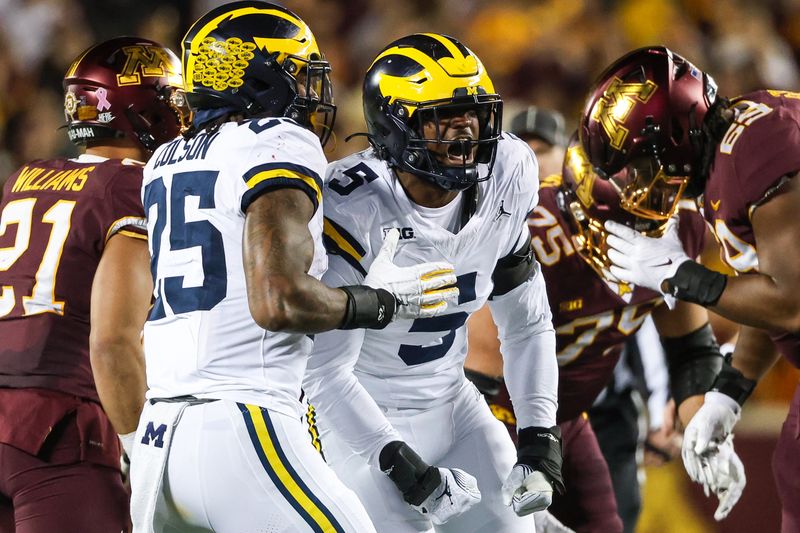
(589, 504)
(56, 491)
(786, 467)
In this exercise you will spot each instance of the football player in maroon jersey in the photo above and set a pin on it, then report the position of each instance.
(593, 314)
(659, 116)
(75, 288)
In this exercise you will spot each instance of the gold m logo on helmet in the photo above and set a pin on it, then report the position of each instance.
(616, 104)
(151, 60)
(582, 171)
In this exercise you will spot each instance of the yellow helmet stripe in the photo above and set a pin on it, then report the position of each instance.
(449, 44)
(462, 72)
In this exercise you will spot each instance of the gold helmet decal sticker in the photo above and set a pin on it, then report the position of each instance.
(616, 104)
(221, 64)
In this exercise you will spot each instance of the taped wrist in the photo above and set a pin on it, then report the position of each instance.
(695, 283)
(694, 360)
(367, 307)
(540, 449)
(731, 382)
(413, 476)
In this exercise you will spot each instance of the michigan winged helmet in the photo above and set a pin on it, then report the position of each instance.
(258, 59)
(421, 79)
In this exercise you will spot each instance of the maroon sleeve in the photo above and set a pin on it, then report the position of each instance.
(124, 212)
(767, 149)
(692, 231)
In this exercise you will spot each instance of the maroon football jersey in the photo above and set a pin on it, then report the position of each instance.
(757, 151)
(57, 216)
(592, 317)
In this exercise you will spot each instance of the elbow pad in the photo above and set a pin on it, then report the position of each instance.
(694, 360)
(513, 270)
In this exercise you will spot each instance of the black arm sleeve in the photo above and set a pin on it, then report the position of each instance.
(694, 360)
(513, 270)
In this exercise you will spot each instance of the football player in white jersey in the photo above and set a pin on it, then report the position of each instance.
(235, 229)
(390, 404)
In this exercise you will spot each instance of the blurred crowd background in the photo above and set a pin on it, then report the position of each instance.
(543, 52)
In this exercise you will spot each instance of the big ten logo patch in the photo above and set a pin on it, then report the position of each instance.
(405, 233)
(154, 434)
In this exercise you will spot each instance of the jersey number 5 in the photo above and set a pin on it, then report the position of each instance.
(186, 238)
(415, 355)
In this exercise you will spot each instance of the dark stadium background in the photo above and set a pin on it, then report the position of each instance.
(545, 52)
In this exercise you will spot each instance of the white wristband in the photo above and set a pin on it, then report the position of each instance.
(127, 441)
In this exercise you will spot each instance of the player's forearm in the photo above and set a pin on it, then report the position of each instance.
(760, 301)
(119, 374)
(754, 354)
(296, 303)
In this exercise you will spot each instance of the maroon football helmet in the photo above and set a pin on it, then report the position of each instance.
(645, 115)
(589, 201)
(125, 87)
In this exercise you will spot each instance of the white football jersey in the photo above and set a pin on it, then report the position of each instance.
(200, 338)
(419, 363)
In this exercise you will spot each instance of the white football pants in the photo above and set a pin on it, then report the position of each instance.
(236, 468)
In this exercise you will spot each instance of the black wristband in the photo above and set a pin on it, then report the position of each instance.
(731, 382)
(487, 385)
(540, 449)
(413, 476)
(694, 360)
(367, 307)
(695, 283)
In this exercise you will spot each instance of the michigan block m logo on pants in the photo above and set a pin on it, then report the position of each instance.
(154, 434)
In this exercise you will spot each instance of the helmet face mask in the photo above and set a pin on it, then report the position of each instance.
(259, 59)
(125, 88)
(588, 201)
(313, 105)
(645, 115)
(431, 110)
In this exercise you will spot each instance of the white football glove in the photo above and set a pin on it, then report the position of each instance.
(722, 473)
(710, 426)
(645, 261)
(527, 490)
(456, 494)
(421, 291)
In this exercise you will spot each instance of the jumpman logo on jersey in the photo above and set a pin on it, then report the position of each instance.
(501, 212)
